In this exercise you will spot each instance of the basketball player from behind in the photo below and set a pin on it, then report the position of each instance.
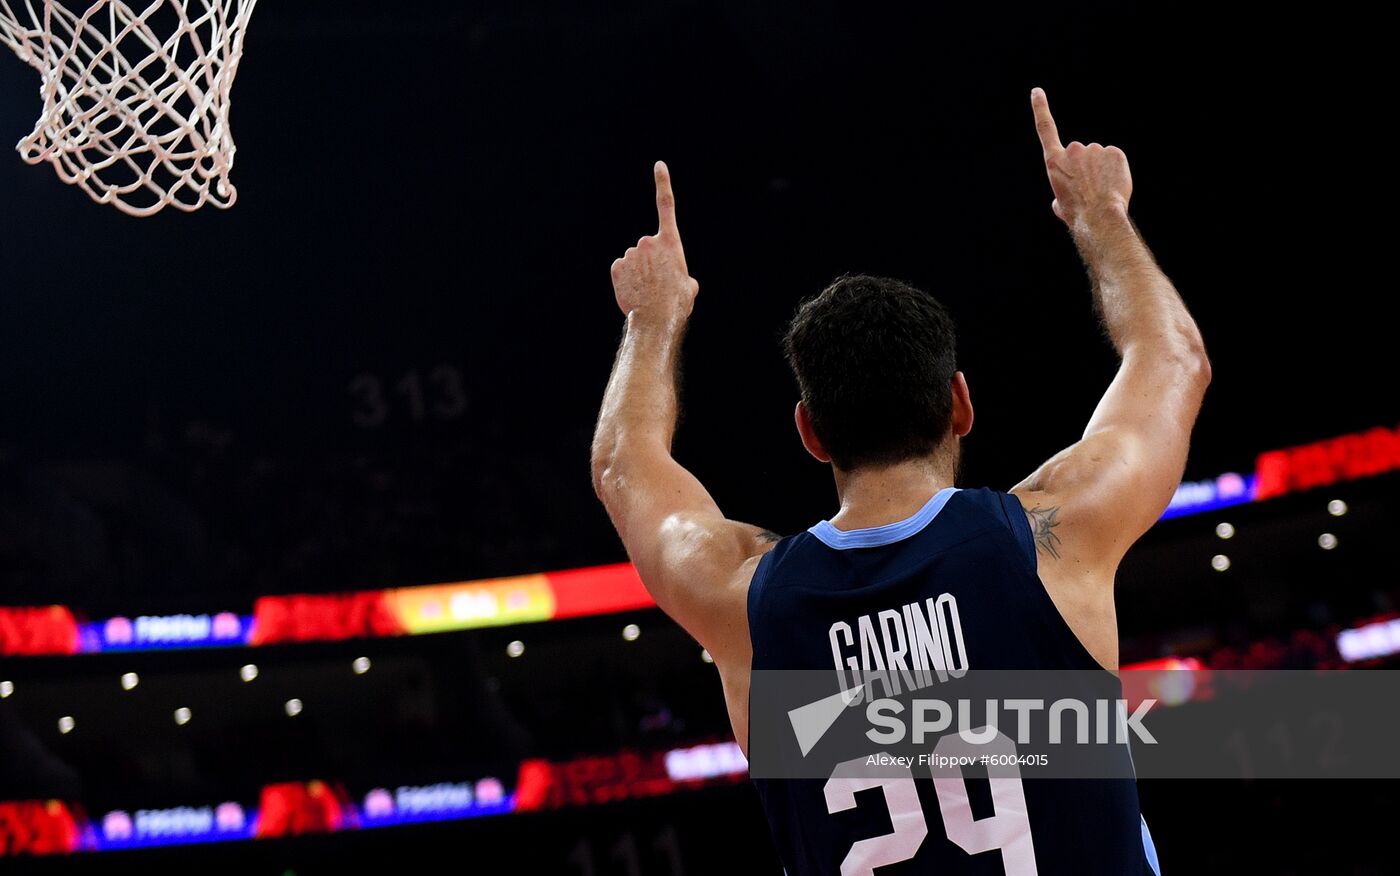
(1031, 571)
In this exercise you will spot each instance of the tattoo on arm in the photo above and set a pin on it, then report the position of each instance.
(1043, 523)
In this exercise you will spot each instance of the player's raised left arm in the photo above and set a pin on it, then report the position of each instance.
(1113, 484)
(694, 561)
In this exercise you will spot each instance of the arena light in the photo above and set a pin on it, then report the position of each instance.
(631, 632)
(183, 716)
(1337, 508)
(360, 665)
(66, 724)
(130, 680)
(515, 649)
(1220, 562)
(1224, 530)
(6, 688)
(248, 671)
(293, 707)
(1327, 541)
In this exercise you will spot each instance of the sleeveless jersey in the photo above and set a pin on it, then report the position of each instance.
(976, 545)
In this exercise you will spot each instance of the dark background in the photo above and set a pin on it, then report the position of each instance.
(448, 183)
(430, 196)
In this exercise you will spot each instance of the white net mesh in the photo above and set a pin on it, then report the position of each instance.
(136, 98)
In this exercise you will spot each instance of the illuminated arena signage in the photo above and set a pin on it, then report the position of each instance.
(149, 632)
(588, 781)
(333, 617)
(1195, 497)
(408, 804)
(37, 828)
(319, 807)
(163, 827)
(706, 762)
(1293, 470)
(34, 631)
(297, 808)
(1324, 463)
(594, 590)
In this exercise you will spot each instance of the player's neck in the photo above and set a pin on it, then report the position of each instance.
(877, 496)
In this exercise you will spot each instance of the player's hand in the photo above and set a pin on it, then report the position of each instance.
(1087, 180)
(652, 276)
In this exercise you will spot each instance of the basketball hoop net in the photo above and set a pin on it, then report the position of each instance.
(136, 98)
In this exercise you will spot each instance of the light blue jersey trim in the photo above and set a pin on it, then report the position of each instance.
(890, 533)
(1150, 848)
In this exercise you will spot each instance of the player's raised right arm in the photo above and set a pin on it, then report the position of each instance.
(1106, 490)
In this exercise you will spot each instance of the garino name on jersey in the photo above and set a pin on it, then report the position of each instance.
(911, 645)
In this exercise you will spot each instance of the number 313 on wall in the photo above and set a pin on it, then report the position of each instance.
(436, 394)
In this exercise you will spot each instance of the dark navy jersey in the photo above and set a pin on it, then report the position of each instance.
(977, 546)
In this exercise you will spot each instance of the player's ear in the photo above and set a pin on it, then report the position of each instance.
(803, 418)
(961, 422)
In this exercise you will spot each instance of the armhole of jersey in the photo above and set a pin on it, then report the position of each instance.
(1015, 514)
(756, 586)
(1021, 527)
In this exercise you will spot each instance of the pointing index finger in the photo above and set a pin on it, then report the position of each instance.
(1045, 123)
(665, 201)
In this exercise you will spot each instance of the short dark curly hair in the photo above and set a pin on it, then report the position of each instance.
(874, 360)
